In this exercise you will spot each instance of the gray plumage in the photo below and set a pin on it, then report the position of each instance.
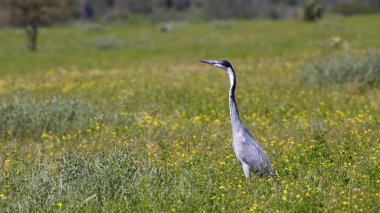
(248, 152)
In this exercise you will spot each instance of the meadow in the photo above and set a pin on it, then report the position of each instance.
(122, 117)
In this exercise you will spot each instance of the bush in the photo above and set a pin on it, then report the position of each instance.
(25, 116)
(76, 177)
(312, 10)
(358, 68)
(355, 8)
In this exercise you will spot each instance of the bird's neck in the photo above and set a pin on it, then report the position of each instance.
(234, 113)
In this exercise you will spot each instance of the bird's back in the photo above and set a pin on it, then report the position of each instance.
(248, 151)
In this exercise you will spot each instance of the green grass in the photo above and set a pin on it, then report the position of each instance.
(123, 117)
(26, 117)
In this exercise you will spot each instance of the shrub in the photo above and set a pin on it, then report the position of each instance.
(349, 67)
(106, 174)
(335, 42)
(26, 116)
(355, 8)
(98, 177)
(312, 10)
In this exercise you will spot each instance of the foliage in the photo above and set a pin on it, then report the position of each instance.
(355, 8)
(28, 117)
(341, 68)
(174, 10)
(312, 10)
(37, 12)
(242, 9)
(96, 176)
(164, 142)
(31, 14)
(171, 10)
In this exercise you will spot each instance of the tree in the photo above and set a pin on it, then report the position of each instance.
(32, 14)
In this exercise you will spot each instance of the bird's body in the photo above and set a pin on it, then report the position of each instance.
(248, 152)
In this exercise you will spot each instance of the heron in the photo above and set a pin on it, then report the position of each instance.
(248, 152)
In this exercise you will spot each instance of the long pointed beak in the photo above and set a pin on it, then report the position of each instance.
(211, 62)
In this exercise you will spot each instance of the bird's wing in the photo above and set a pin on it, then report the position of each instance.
(252, 154)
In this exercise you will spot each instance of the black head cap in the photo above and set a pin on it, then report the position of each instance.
(225, 63)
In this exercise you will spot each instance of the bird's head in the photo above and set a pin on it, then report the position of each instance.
(224, 64)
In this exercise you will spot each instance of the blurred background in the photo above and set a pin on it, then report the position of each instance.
(32, 14)
(168, 10)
